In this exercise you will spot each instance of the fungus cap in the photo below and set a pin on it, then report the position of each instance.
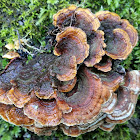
(111, 80)
(77, 17)
(72, 42)
(104, 65)
(11, 55)
(96, 50)
(17, 97)
(64, 68)
(45, 112)
(66, 86)
(119, 46)
(85, 99)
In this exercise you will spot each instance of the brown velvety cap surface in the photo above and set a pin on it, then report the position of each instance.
(77, 17)
(119, 46)
(81, 85)
(86, 20)
(44, 89)
(73, 42)
(104, 65)
(44, 112)
(63, 17)
(111, 80)
(14, 115)
(64, 68)
(10, 72)
(66, 86)
(96, 50)
(107, 16)
(110, 22)
(85, 99)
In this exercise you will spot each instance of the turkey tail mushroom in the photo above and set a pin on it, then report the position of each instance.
(76, 17)
(81, 85)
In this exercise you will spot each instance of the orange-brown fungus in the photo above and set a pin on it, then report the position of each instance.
(81, 85)
(44, 112)
(104, 65)
(3, 97)
(18, 98)
(111, 80)
(63, 16)
(107, 126)
(66, 86)
(64, 68)
(14, 115)
(72, 42)
(76, 17)
(85, 99)
(120, 35)
(119, 46)
(96, 51)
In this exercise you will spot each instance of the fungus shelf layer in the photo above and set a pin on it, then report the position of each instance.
(76, 88)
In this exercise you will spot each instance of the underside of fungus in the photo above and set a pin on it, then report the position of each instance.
(77, 88)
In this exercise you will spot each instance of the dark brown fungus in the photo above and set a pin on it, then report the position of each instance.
(33, 77)
(60, 91)
(111, 80)
(85, 98)
(64, 68)
(110, 20)
(66, 86)
(96, 51)
(63, 17)
(120, 35)
(72, 42)
(10, 72)
(44, 89)
(77, 17)
(104, 65)
(119, 46)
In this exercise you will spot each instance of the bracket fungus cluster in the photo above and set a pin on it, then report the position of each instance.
(77, 88)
